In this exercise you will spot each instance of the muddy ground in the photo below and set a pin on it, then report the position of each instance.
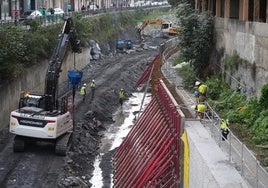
(38, 166)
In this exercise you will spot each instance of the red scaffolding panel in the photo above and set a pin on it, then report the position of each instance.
(150, 154)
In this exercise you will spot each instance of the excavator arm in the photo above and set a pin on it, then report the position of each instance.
(151, 22)
(40, 117)
(66, 36)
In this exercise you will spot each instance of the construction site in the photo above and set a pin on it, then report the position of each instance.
(153, 140)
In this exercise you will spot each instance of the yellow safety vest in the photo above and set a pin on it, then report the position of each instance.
(223, 125)
(83, 90)
(201, 108)
(121, 95)
(92, 85)
(202, 88)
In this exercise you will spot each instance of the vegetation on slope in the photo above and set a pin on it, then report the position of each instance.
(21, 48)
(248, 116)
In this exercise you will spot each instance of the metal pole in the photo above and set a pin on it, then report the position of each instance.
(74, 88)
(230, 147)
(74, 62)
(147, 85)
(73, 106)
(242, 160)
(257, 177)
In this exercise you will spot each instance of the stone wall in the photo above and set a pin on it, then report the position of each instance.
(34, 80)
(250, 41)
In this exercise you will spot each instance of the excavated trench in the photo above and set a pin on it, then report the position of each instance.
(38, 166)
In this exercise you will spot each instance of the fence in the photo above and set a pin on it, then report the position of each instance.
(50, 19)
(242, 158)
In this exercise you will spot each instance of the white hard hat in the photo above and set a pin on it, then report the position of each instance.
(193, 107)
(197, 83)
(93, 80)
(84, 84)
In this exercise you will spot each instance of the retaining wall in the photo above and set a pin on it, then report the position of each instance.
(34, 80)
(250, 40)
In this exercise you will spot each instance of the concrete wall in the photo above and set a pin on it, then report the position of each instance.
(250, 40)
(34, 80)
(209, 167)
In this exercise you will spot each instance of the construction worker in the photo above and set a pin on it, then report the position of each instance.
(200, 110)
(92, 86)
(83, 91)
(201, 92)
(121, 96)
(201, 88)
(224, 129)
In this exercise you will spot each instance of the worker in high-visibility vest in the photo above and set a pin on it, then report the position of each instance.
(201, 88)
(201, 91)
(121, 96)
(200, 110)
(83, 91)
(224, 129)
(92, 86)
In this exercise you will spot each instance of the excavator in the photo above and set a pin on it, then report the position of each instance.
(166, 27)
(45, 116)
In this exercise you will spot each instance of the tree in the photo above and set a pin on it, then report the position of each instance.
(196, 37)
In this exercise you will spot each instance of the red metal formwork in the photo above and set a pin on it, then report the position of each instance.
(146, 74)
(150, 154)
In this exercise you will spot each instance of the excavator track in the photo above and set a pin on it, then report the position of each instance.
(18, 144)
(63, 144)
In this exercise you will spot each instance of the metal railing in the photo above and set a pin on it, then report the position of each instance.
(239, 155)
(54, 18)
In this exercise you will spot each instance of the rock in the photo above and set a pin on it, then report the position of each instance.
(95, 51)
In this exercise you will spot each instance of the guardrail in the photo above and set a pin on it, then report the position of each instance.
(243, 159)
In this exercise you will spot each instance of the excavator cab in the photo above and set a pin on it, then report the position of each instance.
(32, 100)
(46, 116)
(166, 25)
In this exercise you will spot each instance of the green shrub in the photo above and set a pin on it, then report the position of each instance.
(188, 76)
(260, 129)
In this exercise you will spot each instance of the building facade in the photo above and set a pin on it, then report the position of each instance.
(245, 10)
(9, 9)
(240, 26)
